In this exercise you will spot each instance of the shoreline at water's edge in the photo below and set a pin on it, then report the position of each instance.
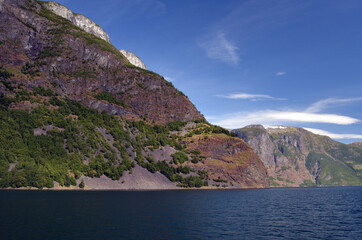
(175, 189)
(133, 189)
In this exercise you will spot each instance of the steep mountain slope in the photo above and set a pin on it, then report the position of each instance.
(297, 157)
(43, 49)
(75, 112)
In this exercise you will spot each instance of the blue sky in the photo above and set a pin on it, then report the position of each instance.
(293, 63)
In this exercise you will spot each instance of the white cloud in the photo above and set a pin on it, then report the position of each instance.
(270, 117)
(252, 97)
(323, 104)
(334, 135)
(280, 73)
(273, 117)
(221, 49)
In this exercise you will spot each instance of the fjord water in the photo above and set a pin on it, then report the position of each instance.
(277, 213)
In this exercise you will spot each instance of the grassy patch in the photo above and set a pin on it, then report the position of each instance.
(210, 129)
(280, 179)
(283, 168)
(5, 74)
(50, 52)
(110, 98)
(83, 74)
(289, 181)
(332, 172)
(357, 167)
(43, 92)
(274, 184)
(32, 68)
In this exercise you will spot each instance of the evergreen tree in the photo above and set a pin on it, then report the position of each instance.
(81, 184)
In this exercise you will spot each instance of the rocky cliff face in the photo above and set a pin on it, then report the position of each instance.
(73, 108)
(77, 19)
(90, 27)
(133, 59)
(297, 157)
(232, 161)
(45, 49)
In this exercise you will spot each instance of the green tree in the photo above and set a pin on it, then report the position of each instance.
(81, 184)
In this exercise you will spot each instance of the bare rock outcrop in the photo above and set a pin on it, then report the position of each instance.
(77, 19)
(133, 59)
(230, 159)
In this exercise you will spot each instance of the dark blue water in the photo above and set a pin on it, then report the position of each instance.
(279, 213)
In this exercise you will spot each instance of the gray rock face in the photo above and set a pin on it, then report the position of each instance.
(141, 178)
(90, 27)
(264, 147)
(1, 5)
(77, 19)
(133, 59)
(295, 157)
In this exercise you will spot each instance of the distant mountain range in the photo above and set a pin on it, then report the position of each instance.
(296, 157)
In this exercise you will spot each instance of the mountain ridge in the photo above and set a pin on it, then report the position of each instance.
(77, 19)
(297, 157)
(75, 113)
(100, 61)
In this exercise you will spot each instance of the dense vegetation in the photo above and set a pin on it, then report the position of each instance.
(207, 129)
(61, 140)
(58, 154)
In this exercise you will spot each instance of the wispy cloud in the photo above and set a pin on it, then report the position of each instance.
(280, 73)
(220, 48)
(270, 117)
(326, 103)
(276, 117)
(252, 97)
(334, 135)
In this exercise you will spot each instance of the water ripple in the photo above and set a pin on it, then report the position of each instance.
(281, 213)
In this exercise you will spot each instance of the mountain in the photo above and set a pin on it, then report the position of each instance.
(76, 113)
(296, 157)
